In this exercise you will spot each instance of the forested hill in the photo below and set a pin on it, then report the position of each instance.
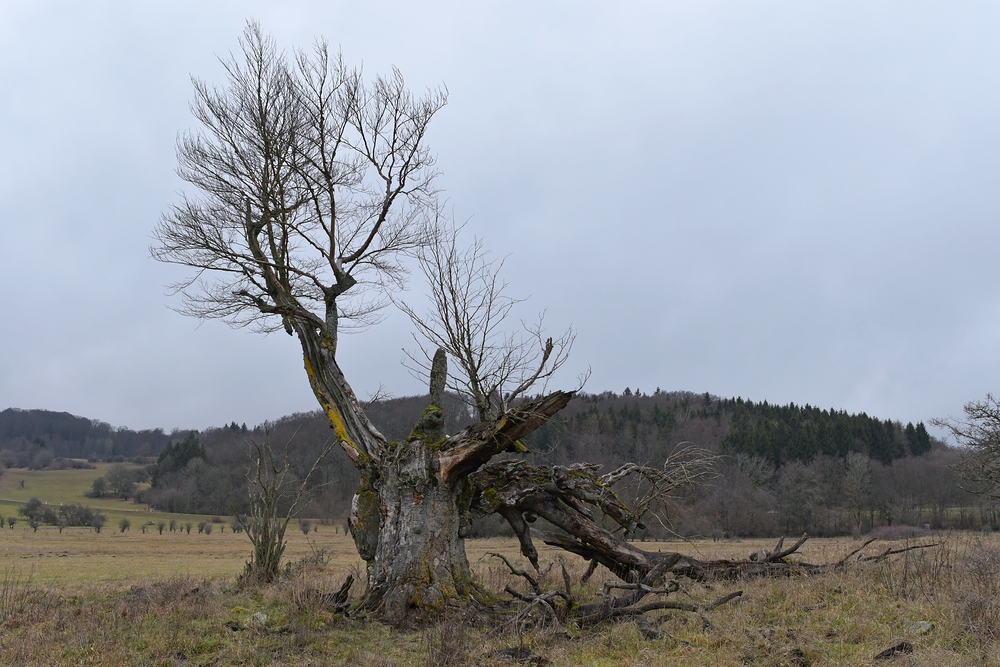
(605, 428)
(792, 432)
(33, 438)
(206, 472)
(609, 428)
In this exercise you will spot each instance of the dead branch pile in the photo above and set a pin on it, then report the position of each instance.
(638, 595)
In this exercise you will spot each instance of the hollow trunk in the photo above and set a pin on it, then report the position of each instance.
(419, 561)
(411, 510)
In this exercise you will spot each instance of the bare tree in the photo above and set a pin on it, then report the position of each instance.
(266, 523)
(857, 486)
(979, 434)
(468, 317)
(312, 185)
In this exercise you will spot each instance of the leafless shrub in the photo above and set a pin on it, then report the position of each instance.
(917, 574)
(265, 525)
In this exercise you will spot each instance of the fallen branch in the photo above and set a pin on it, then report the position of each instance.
(663, 580)
(567, 498)
(892, 552)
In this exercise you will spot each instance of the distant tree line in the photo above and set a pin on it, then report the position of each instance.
(35, 438)
(786, 469)
(796, 433)
(616, 427)
(207, 473)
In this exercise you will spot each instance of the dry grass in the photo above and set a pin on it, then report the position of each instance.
(843, 618)
(79, 555)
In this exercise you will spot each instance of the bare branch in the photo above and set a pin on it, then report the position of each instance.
(265, 525)
(979, 434)
(310, 183)
(469, 306)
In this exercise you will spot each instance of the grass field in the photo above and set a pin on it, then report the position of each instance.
(54, 487)
(82, 598)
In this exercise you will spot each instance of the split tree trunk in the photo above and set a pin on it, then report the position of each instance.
(410, 512)
(419, 561)
(412, 509)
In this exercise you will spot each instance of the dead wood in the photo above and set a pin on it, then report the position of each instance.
(662, 579)
(892, 552)
(559, 606)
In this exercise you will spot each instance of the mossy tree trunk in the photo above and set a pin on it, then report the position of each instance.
(419, 561)
(410, 513)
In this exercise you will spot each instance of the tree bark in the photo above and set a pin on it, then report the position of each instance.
(410, 512)
(419, 561)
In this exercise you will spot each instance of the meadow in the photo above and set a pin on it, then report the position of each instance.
(85, 598)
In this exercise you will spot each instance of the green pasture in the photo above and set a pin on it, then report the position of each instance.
(78, 554)
(58, 487)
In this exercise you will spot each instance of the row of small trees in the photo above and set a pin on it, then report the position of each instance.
(174, 525)
(36, 514)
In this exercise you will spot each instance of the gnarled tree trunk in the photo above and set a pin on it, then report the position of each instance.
(411, 511)
(419, 560)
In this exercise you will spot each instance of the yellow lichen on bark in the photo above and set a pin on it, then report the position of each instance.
(331, 411)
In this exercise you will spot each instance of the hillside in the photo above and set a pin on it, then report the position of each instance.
(607, 428)
(786, 468)
(32, 438)
(612, 428)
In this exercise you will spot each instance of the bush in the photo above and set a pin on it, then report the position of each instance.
(121, 480)
(979, 609)
(75, 514)
(124, 524)
(41, 460)
(305, 526)
(98, 488)
(36, 513)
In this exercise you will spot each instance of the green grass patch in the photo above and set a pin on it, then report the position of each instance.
(58, 487)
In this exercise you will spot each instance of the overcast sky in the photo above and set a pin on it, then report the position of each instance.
(780, 201)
